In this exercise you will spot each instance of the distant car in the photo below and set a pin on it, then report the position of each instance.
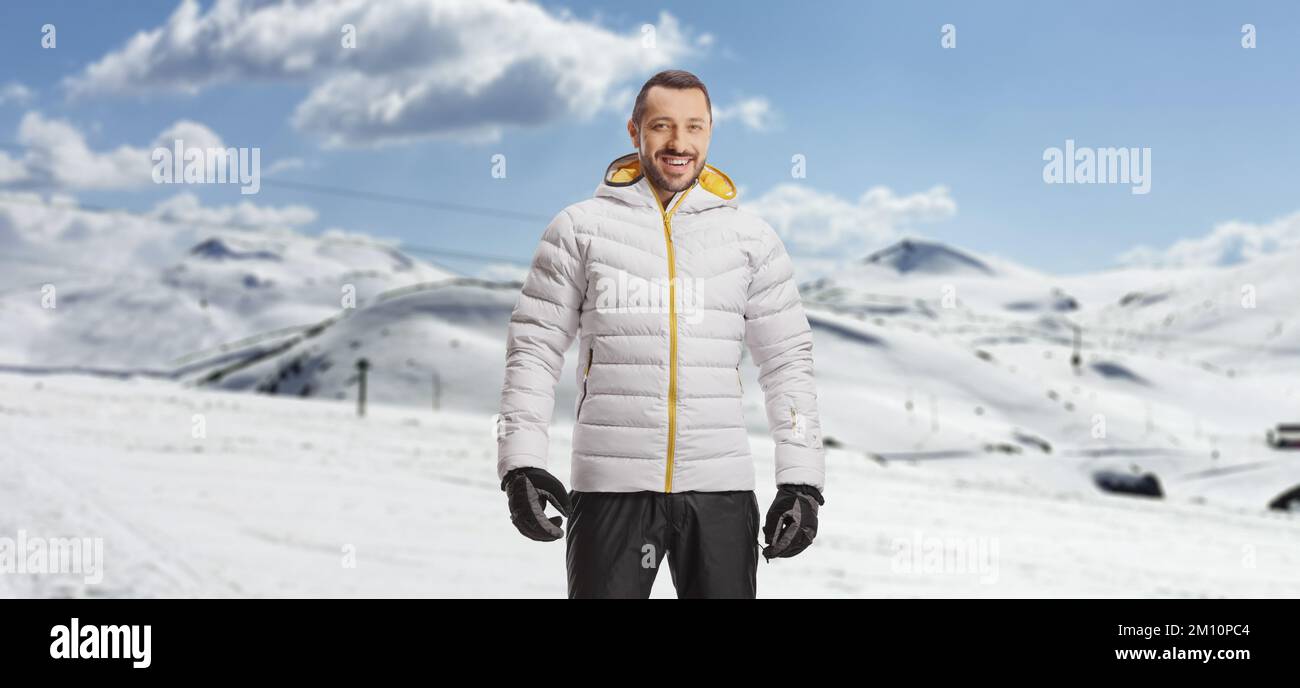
(1284, 436)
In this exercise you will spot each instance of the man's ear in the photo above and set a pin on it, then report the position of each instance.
(631, 131)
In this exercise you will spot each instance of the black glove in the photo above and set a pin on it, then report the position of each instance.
(791, 520)
(527, 491)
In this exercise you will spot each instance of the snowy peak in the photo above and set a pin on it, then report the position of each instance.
(220, 249)
(188, 298)
(295, 259)
(915, 256)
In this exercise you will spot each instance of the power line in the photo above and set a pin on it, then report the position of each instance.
(407, 200)
(381, 197)
(361, 194)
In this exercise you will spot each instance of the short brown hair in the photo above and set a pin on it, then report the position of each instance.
(670, 78)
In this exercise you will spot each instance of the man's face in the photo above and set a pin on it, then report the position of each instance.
(673, 136)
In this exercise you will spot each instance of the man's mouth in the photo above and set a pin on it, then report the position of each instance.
(676, 162)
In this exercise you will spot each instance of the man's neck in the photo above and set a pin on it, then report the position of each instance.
(665, 197)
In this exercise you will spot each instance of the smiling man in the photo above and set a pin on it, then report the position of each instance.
(661, 464)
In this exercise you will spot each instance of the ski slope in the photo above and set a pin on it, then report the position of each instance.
(265, 504)
(945, 383)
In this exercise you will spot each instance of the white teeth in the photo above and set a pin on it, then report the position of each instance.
(677, 162)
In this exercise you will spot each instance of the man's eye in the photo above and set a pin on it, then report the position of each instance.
(661, 126)
(696, 127)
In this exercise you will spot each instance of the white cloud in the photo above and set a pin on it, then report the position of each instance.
(186, 208)
(192, 135)
(11, 170)
(347, 235)
(420, 68)
(503, 272)
(820, 223)
(56, 156)
(15, 93)
(1229, 243)
(53, 231)
(753, 113)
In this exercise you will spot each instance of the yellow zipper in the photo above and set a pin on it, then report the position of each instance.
(672, 330)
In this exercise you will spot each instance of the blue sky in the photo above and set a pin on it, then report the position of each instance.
(863, 90)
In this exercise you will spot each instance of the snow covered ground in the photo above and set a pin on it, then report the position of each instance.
(964, 435)
(270, 502)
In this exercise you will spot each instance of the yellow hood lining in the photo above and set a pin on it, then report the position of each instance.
(626, 171)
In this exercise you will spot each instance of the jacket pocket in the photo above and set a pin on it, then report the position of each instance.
(586, 372)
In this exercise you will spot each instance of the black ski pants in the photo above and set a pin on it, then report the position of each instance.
(615, 542)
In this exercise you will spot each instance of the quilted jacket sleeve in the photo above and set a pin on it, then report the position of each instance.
(542, 326)
(780, 341)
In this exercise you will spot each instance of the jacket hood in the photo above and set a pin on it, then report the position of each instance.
(625, 182)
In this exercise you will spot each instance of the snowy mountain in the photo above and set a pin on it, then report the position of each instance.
(443, 338)
(899, 278)
(228, 286)
(916, 256)
(921, 356)
(923, 352)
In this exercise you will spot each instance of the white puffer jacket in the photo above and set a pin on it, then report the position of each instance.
(664, 299)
